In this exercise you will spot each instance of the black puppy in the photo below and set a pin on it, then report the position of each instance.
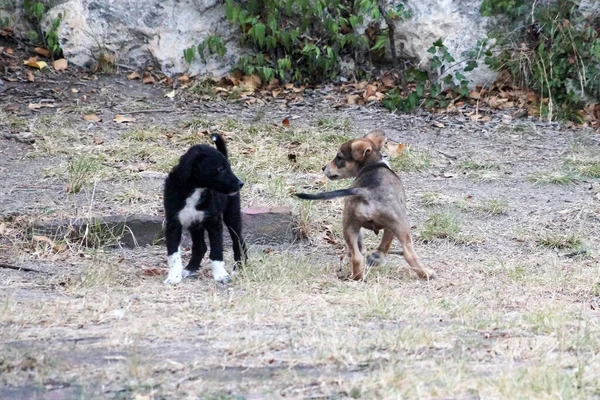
(201, 192)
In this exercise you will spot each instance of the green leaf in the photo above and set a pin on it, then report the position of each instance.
(471, 65)
(353, 20)
(438, 43)
(432, 50)
(258, 33)
(380, 43)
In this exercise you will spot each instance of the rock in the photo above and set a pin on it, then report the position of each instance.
(261, 226)
(458, 22)
(589, 8)
(144, 33)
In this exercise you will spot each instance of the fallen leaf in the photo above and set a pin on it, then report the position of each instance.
(438, 124)
(396, 149)
(37, 106)
(92, 117)
(98, 141)
(153, 272)
(251, 82)
(170, 94)
(133, 75)
(42, 52)
(74, 90)
(44, 239)
(369, 92)
(184, 78)
(289, 86)
(142, 167)
(60, 65)
(34, 63)
(298, 89)
(3, 229)
(30, 76)
(352, 98)
(286, 121)
(148, 78)
(9, 51)
(475, 117)
(119, 119)
(387, 80)
(276, 93)
(273, 83)
(475, 94)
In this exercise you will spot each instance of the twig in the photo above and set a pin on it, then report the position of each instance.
(381, 4)
(126, 67)
(14, 267)
(447, 155)
(147, 111)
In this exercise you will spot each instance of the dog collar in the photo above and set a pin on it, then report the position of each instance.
(372, 167)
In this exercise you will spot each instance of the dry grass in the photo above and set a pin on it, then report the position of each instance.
(502, 324)
(288, 312)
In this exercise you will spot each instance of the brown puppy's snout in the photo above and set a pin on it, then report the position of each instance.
(324, 167)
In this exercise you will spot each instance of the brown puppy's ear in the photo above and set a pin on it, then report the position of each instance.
(360, 149)
(376, 136)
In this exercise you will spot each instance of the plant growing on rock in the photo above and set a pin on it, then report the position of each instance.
(304, 41)
(35, 12)
(550, 48)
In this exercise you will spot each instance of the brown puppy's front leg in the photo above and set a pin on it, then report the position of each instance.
(352, 236)
(410, 255)
(377, 257)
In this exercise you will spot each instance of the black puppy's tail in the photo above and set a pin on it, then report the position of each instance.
(331, 195)
(220, 143)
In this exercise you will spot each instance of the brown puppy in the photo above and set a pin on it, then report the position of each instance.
(375, 201)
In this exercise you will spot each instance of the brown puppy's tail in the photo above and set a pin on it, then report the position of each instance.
(220, 143)
(331, 195)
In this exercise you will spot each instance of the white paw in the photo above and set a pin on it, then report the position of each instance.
(187, 273)
(219, 273)
(175, 269)
(173, 279)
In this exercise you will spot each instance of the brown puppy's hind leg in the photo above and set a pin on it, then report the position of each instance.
(411, 256)
(352, 237)
(377, 257)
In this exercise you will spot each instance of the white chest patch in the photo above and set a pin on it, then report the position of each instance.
(188, 215)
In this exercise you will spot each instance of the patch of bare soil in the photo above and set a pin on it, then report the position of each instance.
(506, 212)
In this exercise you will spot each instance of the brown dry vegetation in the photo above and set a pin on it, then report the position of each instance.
(513, 314)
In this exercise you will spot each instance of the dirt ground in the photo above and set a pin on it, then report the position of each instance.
(507, 212)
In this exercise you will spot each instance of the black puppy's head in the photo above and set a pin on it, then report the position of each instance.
(205, 167)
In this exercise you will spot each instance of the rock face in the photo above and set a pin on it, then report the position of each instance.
(143, 32)
(458, 22)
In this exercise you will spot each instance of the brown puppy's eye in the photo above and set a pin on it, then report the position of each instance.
(221, 168)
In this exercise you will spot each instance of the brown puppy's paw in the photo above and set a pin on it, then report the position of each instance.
(426, 273)
(374, 259)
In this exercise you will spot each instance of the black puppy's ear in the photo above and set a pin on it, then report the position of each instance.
(185, 168)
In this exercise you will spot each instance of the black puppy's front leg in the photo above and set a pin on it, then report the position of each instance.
(198, 250)
(215, 237)
(173, 233)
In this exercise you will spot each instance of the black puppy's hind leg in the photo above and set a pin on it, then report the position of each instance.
(215, 236)
(198, 251)
(233, 220)
(173, 233)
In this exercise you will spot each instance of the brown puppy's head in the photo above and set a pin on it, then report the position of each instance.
(355, 154)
